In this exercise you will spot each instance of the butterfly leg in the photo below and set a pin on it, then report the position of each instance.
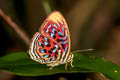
(51, 68)
(66, 66)
(71, 63)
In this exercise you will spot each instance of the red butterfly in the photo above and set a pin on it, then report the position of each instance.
(51, 45)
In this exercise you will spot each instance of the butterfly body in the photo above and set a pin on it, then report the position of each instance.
(51, 45)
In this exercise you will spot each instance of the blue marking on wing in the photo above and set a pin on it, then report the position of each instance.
(39, 44)
(54, 50)
(53, 30)
(53, 58)
(48, 60)
(63, 42)
(59, 33)
(45, 43)
(42, 51)
(48, 28)
(56, 46)
(46, 56)
(66, 49)
(45, 38)
(62, 30)
(52, 34)
(54, 25)
(64, 38)
(58, 25)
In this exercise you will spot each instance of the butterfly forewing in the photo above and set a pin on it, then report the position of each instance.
(55, 27)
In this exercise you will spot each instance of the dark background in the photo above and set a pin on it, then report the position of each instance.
(92, 23)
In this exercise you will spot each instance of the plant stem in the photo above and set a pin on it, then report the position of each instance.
(47, 7)
(16, 28)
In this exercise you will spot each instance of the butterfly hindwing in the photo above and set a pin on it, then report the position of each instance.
(43, 49)
(55, 27)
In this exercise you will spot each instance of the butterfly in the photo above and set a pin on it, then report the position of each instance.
(51, 45)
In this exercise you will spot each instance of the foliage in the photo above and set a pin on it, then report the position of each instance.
(19, 63)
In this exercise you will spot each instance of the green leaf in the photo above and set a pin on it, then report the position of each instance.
(19, 63)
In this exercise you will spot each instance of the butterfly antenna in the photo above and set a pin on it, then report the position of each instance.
(83, 50)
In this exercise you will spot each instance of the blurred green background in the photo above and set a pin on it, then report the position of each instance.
(92, 23)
